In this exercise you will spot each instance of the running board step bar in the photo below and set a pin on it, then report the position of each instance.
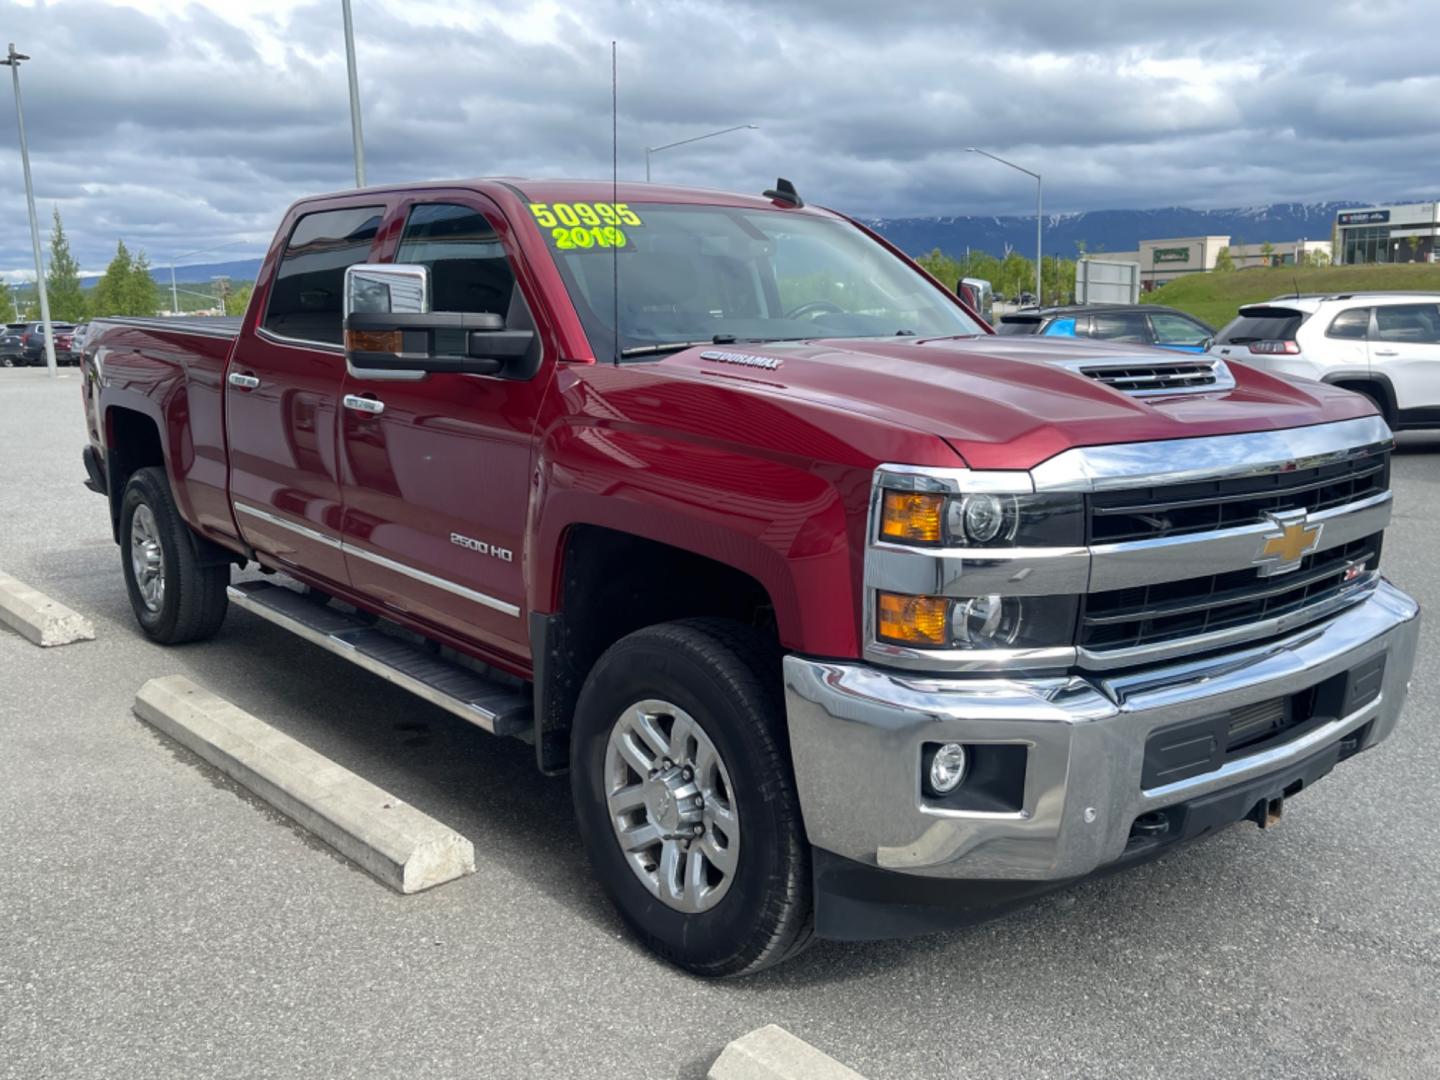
(492, 705)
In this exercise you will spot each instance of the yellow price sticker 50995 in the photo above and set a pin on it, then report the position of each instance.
(589, 215)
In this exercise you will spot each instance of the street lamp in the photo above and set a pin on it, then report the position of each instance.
(356, 135)
(1039, 191)
(724, 131)
(12, 61)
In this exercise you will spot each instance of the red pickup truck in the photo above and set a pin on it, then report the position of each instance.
(846, 617)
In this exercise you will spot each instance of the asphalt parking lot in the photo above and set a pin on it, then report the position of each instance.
(156, 920)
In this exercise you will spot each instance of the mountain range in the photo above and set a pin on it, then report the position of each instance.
(1110, 230)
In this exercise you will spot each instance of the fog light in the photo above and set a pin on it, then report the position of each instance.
(947, 768)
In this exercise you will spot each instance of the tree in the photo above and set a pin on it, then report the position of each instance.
(1224, 263)
(239, 300)
(127, 287)
(110, 292)
(9, 306)
(142, 294)
(62, 279)
(1267, 253)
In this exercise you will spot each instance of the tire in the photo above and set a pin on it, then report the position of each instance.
(190, 603)
(725, 678)
(7, 361)
(1382, 405)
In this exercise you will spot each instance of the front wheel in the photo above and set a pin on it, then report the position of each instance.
(685, 798)
(175, 597)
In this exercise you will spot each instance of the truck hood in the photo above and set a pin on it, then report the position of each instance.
(1010, 402)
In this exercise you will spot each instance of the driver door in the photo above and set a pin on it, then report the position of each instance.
(435, 471)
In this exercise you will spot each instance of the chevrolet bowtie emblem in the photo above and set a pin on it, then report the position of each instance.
(1282, 551)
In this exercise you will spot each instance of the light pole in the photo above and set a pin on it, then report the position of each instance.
(724, 131)
(12, 61)
(356, 135)
(1039, 193)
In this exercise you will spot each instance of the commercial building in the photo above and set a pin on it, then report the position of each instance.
(1389, 234)
(1162, 261)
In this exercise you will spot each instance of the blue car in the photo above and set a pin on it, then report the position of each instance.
(1142, 324)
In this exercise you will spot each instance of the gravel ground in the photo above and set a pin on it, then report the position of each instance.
(157, 921)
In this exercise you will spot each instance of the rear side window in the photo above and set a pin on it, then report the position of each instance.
(307, 299)
(1353, 323)
(1018, 326)
(468, 268)
(1127, 326)
(1261, 324)
(1177, 330)
(1413, 323)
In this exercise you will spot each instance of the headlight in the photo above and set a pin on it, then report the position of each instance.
(981, 519)
(976, 622)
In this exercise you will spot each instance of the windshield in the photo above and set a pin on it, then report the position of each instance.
(694, 275)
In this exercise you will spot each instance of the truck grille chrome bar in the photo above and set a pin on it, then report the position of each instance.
(1142, 513)
(1130, 618)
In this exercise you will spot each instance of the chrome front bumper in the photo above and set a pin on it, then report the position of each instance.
(856, 734)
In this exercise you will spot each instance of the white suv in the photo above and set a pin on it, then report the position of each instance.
(1383, 345)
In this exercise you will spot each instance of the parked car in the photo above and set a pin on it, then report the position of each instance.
(32, 342)
(1140, 324)
(10, 343)
(845, 616)
(1383, 345)
(77, 342)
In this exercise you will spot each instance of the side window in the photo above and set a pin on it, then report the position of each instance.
(1177, 330)
(307, 299)
(1412, 323)
(1352, 323)
(1129, 326)
(468, 268)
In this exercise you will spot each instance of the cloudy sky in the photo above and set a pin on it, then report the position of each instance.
(182, 126)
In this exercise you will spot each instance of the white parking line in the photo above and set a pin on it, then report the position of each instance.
(404, 848)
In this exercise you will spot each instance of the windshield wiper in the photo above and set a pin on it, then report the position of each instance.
(667, 346)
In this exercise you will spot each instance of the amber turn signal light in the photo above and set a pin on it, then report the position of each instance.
(381, 341)
(913, 620)
(912, 517)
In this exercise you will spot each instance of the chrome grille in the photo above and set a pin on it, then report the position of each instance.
(1173, 610)
(1156, 378)
(1145, 513)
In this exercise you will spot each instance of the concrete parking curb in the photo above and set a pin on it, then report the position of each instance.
(38, 618)
(407, 850)
(772, 1053)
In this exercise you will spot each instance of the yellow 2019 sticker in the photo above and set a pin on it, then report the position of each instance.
(583, 214)
(568, 238)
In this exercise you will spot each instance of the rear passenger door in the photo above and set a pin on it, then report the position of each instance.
(282, 391)
(437, 471)
(1405, 347)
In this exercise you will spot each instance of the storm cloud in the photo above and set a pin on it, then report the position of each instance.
(191, 127)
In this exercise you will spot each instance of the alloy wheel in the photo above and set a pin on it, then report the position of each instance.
(671, 805)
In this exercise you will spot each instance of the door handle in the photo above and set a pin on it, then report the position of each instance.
(370, 405)
(1387, 352)
(244, 382)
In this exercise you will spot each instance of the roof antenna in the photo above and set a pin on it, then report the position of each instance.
(784, 192)
(615, 198)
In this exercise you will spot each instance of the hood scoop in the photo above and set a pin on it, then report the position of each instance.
(1145, 377)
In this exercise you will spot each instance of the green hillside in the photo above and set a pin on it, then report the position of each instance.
(1215, 297)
